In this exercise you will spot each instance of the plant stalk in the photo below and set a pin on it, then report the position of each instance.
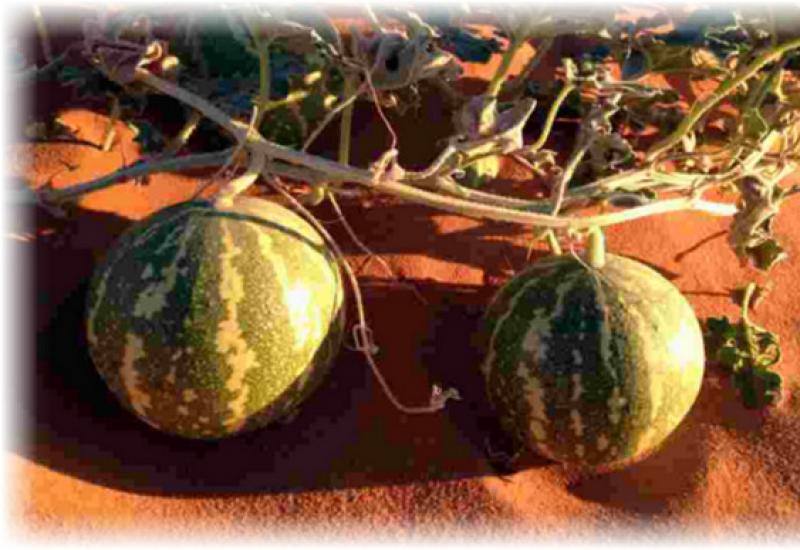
(335, 171)
(726, 88)
(346, 126)
(551, 117)
(499, 78)
(139, 169)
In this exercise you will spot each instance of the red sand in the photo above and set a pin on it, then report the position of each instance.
(350, 462)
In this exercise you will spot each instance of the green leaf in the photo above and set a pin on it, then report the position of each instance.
(730, 357)
(285, 127)
(149, 138)
(758, 387)
(87, 83)
(721, 327)
(313, 108)
(754, 124)
(767, 254)
(747, 351)
(469, 47)
(481, 171)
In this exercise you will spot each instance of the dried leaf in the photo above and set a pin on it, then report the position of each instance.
(751, 230)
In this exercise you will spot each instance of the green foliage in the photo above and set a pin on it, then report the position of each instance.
(150, 139)
(749, 352)
(285, 127)
(480, 172)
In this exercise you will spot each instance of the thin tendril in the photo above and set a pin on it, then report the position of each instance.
(361, 331)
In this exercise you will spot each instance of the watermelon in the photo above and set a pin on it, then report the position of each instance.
(208, 320)
(594, 365)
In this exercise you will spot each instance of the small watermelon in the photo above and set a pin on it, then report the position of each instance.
(207, 320)
(592, 366)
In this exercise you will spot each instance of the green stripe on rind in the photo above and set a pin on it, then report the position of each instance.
(184, 372)
(639, 309)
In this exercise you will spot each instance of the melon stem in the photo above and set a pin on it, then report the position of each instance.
(596, 249)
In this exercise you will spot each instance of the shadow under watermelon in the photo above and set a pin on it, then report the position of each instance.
(346, 435)
(678, 470)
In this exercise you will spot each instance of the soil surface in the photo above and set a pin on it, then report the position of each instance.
(350, 463)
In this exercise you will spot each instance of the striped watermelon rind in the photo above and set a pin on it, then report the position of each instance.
(594, 368)
(206, 321)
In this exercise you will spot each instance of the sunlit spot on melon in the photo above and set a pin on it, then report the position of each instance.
(299, 300)
(683, 346)
(648, 440)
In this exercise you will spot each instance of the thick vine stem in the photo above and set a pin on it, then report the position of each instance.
(496, 84)
(552, 242)
(337, 172)
(551, 117)
(239, 185)
(517, 85)
(136, 170)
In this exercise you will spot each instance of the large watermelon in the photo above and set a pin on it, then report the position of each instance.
(207, 320)
(592, 366)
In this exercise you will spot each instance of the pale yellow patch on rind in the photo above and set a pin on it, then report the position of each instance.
(140, 239)
(171, 377)
(486, 366)
(134, 350)
(230, 341)
(537, 429)
(306, 310)
(577, 387)
(615, 404)
(576, 422)
(153, 298)
(91, 319)
(296, 302)
(535, 396)
(537, 334)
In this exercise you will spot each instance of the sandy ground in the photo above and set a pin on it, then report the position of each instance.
(350, 463)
